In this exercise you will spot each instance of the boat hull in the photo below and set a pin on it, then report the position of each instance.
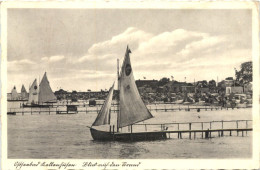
(11, 113)
(36, 105)
(137, 136)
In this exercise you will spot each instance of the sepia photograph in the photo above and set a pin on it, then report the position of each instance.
(128, 83)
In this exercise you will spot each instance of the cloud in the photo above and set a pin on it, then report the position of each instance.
(53, 58)
(21, 62)
(179, 53)
(114, 48)
(20, 65)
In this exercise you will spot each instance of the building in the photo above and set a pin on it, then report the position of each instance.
(236, 89)
(202, 90)
(147, 86)
(229, 82)
(178, 87)
(188, 89)
(61, 94)
(148, 83)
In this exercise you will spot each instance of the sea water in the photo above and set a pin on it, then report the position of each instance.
(42, 136)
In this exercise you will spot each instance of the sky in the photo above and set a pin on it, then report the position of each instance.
(79, 48)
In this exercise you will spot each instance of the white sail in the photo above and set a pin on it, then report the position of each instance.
(132, 108)
(24, 94)
(104, 114)
(45, 92)
(33, 93)
(14, 94)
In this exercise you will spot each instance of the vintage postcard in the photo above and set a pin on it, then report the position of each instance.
(129, 85)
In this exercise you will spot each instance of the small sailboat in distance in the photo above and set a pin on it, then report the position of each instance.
(42, 95)
(14, 94)
(131, 110)
(46, 94)
(33, 93)
(24, 94)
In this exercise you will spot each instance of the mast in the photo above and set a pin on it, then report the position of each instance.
(118, 87)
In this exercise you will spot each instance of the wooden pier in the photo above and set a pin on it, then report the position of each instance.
(86, 109)
(234, 127)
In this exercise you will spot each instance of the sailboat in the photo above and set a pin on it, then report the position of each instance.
(131, 110)
(24, 94)
(42, 95)
(14, 94)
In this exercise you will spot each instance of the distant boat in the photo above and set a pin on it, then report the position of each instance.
(41, 96)
(131, 110)
(16, 97)
(14, 94)
(24, 94)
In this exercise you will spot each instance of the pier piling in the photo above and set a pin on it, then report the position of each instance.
(237, 127)
(201, 129)
(190, 129)
(246, 127)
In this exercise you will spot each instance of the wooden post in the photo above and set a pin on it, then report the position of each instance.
(145, 127)
(49, 110)
(207, 134)
(110, 128)
(209, 125)
(190, 129)
(201, 129)
(178, 132)
(40, 111)
(230, 134)
(242, 133)
(131, 132)
(237, 127)
(165, 108)
(113, 132)
(155, 107)
(246, 127)
(31, 110)
(194, 135)
(222, 132)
